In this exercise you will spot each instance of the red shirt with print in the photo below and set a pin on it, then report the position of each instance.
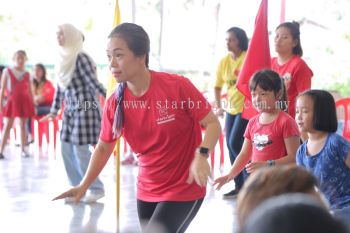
(162, 127)
(268, 139)
(297, 78)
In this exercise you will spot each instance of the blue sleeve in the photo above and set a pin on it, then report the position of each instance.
(342, 146)
(299, 156)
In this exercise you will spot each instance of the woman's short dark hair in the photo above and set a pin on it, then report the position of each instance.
(325, 114)
(294, 29)
(135, 37)
(241, 37)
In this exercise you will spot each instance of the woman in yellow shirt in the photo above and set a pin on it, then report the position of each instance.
(227, 74)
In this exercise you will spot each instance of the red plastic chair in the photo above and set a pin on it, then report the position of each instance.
(345, 104)
(43, 129)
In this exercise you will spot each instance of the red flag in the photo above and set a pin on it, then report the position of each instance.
(257, 58)
(283, 11)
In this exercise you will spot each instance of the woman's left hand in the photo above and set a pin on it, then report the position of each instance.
(199, 171)
(253, 166)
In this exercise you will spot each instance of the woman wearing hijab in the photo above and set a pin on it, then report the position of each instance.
(77, 86)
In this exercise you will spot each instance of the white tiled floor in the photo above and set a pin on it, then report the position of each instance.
(27, 186)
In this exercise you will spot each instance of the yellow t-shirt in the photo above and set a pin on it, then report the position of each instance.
(112, 83)
(227, 73)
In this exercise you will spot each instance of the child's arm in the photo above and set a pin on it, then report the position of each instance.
(242, 159)
(292, 145)
(2, 89)
(348, 160)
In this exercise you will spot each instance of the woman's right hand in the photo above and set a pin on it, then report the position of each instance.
(48, 117)
(76, 193)
(221, 181)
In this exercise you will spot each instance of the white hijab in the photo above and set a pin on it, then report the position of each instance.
(73, 45)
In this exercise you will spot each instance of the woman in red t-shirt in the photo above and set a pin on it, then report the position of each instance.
(43, 91)
(289, 64)
(160, 115)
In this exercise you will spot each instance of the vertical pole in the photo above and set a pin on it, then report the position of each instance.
(283, 11)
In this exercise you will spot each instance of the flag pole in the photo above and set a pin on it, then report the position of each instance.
(116, 152)
(283, 11)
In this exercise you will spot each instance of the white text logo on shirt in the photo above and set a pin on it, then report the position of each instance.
(164, 116)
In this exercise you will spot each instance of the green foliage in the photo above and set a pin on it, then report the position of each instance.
(347, 36)
(89, 24)
(330, 50)
(342, 88)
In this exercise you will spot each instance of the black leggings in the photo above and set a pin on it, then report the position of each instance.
(167, 216)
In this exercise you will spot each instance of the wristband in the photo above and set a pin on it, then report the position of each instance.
(270, 163)
(203, 151)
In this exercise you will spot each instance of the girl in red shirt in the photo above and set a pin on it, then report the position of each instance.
(272, 136)
(16, 81)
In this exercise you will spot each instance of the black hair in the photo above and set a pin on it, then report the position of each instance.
(135, 37)
(2, 68)
(325, 113)
(43, 79)
(20, 52)
(241, 37)
(292, 213)
(139, 43)
(269, 80)
(294, 30)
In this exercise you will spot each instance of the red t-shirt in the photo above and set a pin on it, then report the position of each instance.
(268, 139)
(297, 78)
(47, 91)
(162, 127)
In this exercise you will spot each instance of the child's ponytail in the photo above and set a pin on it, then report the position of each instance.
(283, 102)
